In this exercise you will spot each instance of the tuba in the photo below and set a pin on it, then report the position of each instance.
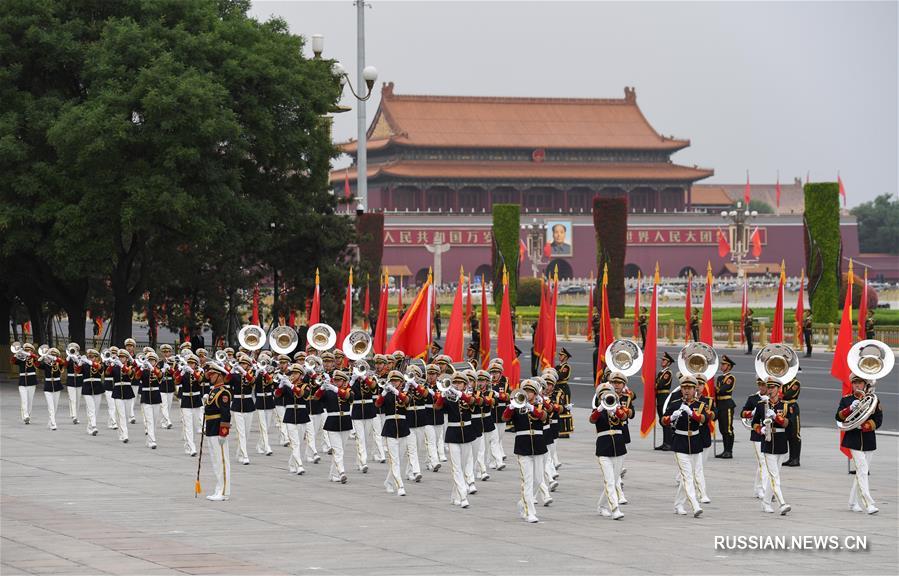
(321, 337)
(283, 340)
(698, 359)
(519, 400)
(251, 337)
(624, 356)
(870, 360)
(605, 397)
(357, 345)
(778, 362)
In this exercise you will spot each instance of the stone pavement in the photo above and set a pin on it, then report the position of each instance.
(74, 504)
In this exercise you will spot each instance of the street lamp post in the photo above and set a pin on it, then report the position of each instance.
(738, 231)
(535, 232)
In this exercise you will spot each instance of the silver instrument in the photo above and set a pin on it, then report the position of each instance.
(251, 337)
(221, 356)
(698, 359)
(870, 360)
(18, 351)
(624, 356)
(445, 387)
(777, 362)
(283, 340)
(519, 400)
(321, 337)
(357, 345)
(605, 397)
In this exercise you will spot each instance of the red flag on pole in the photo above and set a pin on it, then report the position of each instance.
(346, 184)
(839, 368)
(744, 307)
(505, 338)
(606, 336)
(777, 190)
(453, 346)
(800, 308)
(549, 335)
(747, 192)
(256, 305)
(26, 327)
(399, 299)
(346, 325)
(863, 310)
(590, 308)
(316, 314)
(467, 304)
(688, 307)
(366, 306)
(756, 240)
(706, 332)
(650, 360)
(380, 340)
(413, 335)
(723, 245)
(538, 330)
(842, 188)
(485, 326)
(777, 328)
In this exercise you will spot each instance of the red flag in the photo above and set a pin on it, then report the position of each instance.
(747, 192)
(26, 327)
(863, 310)
(549, 334)
(777, 328)
(688, 307)
(590, 308)
(346, 325)
(453, 347)
(292, 319)
(606, 336)
(538, 330)
(467, 304)
(346, 185)
(413, 335)
(777, 190)
(706, 333)
(366, 306)
(380, 340)
(800, 308)
(399, 300)
(316, 314)
(547, 250)
(839, 368)
(842, 188)
(723, 245)
(522, 249)
(744, 307)
(637, 309)
(505, 338)
(650, 359)
(485, 326)
(256, 305)
(756, 240)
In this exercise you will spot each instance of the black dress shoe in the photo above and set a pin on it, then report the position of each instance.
(666, 447)
(725, 455)
(661, 447)
(791, 463)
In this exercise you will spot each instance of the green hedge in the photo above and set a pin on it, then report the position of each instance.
(823, 249)
(506, 224)
(610, 222)
(370, 239)
(529, 292)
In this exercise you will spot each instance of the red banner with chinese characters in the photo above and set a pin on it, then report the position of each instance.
(451, 236)
(672, 236)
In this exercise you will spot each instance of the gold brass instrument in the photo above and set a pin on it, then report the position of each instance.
(519, 400)
(321, 337)
(251, 337)
(624, 356)
(870, 360)
(778, 362)
(605, 397)
(357, 345)
(283, 340)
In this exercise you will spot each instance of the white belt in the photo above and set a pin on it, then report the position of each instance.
(476, 415)
(28, 374)
(456, 424)
(396, 416)
(190, 393)
(362, 401)
(264, 394)
(687, 432)
(779, 430)
(530, 433)
(296, 406)
(52, 379)
(608, 433)
(428, 405)
(243, 396)
(151, 389)
(91, 379)
(415, 408)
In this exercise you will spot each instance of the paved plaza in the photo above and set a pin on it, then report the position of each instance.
(75, 504)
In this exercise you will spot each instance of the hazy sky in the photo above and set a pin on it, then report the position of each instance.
(761, 86)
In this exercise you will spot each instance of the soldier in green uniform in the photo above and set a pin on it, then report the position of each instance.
(566, 422)
(724, 405)
(869, 325)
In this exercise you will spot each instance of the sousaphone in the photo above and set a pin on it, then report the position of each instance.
(283, 340)
(321, 337)
(251, 337)
(696, 359)
(870, 360)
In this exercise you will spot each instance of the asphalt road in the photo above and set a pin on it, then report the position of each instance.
(818, 399)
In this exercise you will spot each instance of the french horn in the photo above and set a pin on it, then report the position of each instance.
(870, 360)
(283, 340)
(251, 337)
(321, 337)
(357, 345)
(778, 362)
(624, 356)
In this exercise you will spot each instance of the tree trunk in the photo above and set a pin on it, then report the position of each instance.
(152, 321)
(36, 316)
(77, 318)
(5, 316)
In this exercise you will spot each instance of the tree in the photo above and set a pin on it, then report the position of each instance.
(506, 239)
(878, 224)
(823, 248)
(610, 223)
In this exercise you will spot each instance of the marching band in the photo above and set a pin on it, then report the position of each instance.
(329, 400)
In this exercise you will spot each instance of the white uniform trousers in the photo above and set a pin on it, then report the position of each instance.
(191, 425)
(772, 487)
(366, 431)
(500, 434)
(242, 421)
(92, 406)
(413, 466)
(440, 433)
(121, 416)
(686, 487)
(530, 469)
(111, 421)
(395, 448)
(458, 454)
(468, 467)
(166, 409)
(74, 395)
(52, 404)
(221, 464)
(427, 438)
(151, 415)
(608, 500)
(860, 494)
(619, 485)
(315, 435)
(132, 402)
(26, 400)
(380, 426)
(262, 445)
(699, 475)
(761, 472)
(295, 440)
(554, 452)
(494, 448)
(282, 427)
(338, 441)
(478, 448)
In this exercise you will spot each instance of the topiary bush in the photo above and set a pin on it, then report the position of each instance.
(506, 224)
(610, 222)
(370, 238)
(823, 249)
(529, 292)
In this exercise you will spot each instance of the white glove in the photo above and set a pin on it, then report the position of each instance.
(764, 431)
(384, 392)
(205, 398)
(610, 409)
(185, 371)
(675, 416)
(763, 398)
(769, 413)
(686, 409)
(569, 407)
(854, 404)
(393, 389)
(530, 408)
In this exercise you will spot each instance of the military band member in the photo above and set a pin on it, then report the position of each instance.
(807, 332)
(217, 425)
(501, 393)
(725, 405)
(610, 448)
(686, 415)
(74, 380)
(566, 422)
(435, 429)
(626, 399)
(166, 386)
(108, 385)
(316, 439)
(393, 402)
(26, 361)
(790, 394)
(488, 444)
(130, 346)
(861, 443)
(283, 364)
(425, 434)
(295, 390)
(337, 397)
(53, 366)
(264, 391)
(530, 449)
(761, 473)
(663, 390)
(772, 420)
(92, 388)
(122, 392)
(241, 380)
(382, 369)
(549, 482)
(705, 436)
(414, 409)
(364, 416)
(189, 389)
(460, 434)
(149, 381)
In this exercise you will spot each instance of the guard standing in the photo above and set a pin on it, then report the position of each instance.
(747, 330)
(217, 425)
(642, 324)
(790, 394)
(724, 406)
(663, 389)
(869, 325)
(566, 422)
(807, 332)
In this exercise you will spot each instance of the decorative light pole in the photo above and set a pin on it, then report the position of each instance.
(738, 235)
(535, 232)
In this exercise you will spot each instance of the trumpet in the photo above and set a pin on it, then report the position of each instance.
(605, 398)
(519, 400)
(220, 356)
(18, 351)
(72, 350)
(445, 387)
(870, 360)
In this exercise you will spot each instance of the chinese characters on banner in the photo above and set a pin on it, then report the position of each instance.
(671, 236)
(451, 236)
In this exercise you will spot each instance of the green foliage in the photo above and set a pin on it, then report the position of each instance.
(528, 292)
(758, 205)
(823, 248)
(878, 225)
(610, 222)
(370, 233)
(506, 224)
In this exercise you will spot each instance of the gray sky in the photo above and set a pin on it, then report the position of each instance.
(763, 86)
